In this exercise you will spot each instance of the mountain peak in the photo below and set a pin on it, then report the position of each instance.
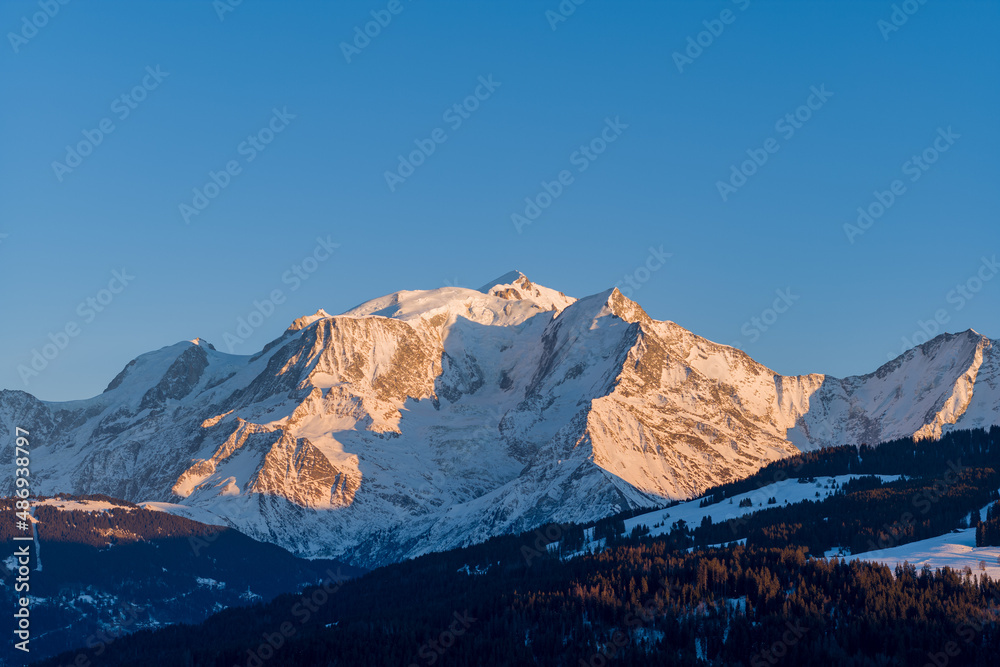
(201, 342)
(626, 309)
(306, 320)
(969, 339)
(515, 286)
(501, 409)
(508, 278)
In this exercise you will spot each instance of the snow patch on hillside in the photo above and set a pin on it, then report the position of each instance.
(82, 505)
(956, 550)
(194, 513)
(786, 492)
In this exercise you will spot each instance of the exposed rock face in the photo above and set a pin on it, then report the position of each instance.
(426, 420)
(180, 378)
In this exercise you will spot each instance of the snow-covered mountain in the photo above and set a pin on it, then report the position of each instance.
(425, 420)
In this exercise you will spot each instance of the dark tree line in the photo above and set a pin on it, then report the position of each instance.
(863, 515)
(988, 530)
(648, 600)
(914, 458)
(124, 568)
(636, 604)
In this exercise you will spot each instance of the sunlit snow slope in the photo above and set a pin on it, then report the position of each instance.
(425, 420)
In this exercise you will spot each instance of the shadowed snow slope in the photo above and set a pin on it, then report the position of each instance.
(425, 420)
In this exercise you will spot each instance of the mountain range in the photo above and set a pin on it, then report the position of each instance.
(425, 420)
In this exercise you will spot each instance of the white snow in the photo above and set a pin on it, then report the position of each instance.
(444, 417)
(789, 491)
(82, 505)
(956, 550)
(484, 306)
(198, 514)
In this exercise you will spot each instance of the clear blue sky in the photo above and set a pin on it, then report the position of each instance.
(450, 221)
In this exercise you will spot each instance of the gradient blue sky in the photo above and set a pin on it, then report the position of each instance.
(450, 222)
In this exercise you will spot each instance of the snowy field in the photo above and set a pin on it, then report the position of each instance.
(82, 505)
(789, 491)
(194, 513)
(956, 550)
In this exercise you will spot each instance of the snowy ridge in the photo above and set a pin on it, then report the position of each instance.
(425, 420)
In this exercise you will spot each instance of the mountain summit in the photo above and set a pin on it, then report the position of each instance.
(424, 420)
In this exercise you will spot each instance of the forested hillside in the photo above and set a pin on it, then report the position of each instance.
(651, 600)
(108, 568)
